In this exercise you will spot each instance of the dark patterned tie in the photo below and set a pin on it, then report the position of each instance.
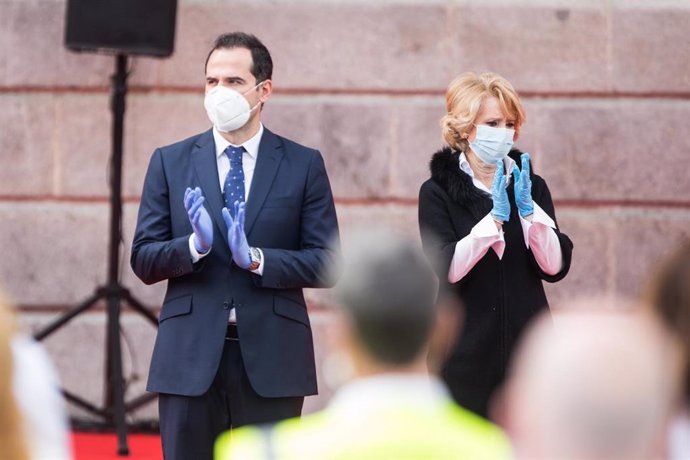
(233, 190)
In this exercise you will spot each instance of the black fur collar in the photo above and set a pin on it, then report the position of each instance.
(445, 171)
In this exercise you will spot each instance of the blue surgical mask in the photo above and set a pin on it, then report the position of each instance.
(492, 144)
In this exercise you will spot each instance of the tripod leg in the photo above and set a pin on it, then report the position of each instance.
(62, 320)
(139, 307)
(115, 377)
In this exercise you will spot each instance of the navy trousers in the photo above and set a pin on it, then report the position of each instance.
(189, 425)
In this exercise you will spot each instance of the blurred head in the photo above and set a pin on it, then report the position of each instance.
(598, 382)
(485, 99)
(669, 295)
(11, 426)
(387, 295)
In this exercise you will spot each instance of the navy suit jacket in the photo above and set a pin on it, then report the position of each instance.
(290, 215)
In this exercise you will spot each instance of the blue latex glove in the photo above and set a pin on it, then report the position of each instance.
(236, 237)
(499, 195)
(199, 218)
(523, 187)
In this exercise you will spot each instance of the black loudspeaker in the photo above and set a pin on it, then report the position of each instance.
(121, 26)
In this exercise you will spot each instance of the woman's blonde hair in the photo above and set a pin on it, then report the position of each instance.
(12, 437)
(464, 98)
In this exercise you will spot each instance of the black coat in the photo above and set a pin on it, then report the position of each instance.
(499, 296)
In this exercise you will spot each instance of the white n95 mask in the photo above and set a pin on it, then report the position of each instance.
(228, 109)
(492, 144)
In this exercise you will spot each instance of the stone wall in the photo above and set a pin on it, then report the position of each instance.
(606, 85)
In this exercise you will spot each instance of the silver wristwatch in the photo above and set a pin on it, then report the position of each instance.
(255, 256)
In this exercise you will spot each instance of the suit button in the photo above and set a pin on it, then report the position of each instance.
(226, 305)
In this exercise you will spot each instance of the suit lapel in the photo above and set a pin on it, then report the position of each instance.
(206, 166)
(267, 162)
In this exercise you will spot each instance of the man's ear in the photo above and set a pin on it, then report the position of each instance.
(266, 90)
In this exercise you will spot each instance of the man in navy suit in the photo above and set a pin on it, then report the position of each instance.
(234, 343)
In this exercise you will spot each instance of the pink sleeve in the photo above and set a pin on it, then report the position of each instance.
(471, 248)
(541, 238)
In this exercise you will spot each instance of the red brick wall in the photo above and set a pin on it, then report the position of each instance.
(606, 85)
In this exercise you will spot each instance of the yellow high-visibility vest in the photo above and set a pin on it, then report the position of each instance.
(397, 433)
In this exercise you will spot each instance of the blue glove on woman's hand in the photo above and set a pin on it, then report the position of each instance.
(499, 194)
(199, 218)
(236, 237)
(523, 187)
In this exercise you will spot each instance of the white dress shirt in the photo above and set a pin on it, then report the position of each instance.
(251, 147)
(539, 234)
(251, 153)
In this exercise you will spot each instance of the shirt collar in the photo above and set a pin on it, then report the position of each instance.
(465, 166)
(251, 145)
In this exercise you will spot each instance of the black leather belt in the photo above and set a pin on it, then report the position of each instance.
(231, 332)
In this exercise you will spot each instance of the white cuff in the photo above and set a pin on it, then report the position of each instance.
(486, 229)
(196, 256)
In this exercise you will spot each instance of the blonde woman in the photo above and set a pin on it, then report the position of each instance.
(489, 224)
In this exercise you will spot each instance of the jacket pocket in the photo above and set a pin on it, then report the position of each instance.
(290, 309)
(176, 307)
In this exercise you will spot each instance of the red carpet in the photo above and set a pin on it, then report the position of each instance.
(103, 446)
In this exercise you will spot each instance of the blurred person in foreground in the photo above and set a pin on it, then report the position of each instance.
(490, 223)
(33, 418)
(388, 319)
(597, 382)
(668, 294)
(12, 442)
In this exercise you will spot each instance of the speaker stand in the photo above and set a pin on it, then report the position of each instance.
(114, 410)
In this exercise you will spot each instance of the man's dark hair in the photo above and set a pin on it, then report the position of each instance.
(262, 65)
(388, 291)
